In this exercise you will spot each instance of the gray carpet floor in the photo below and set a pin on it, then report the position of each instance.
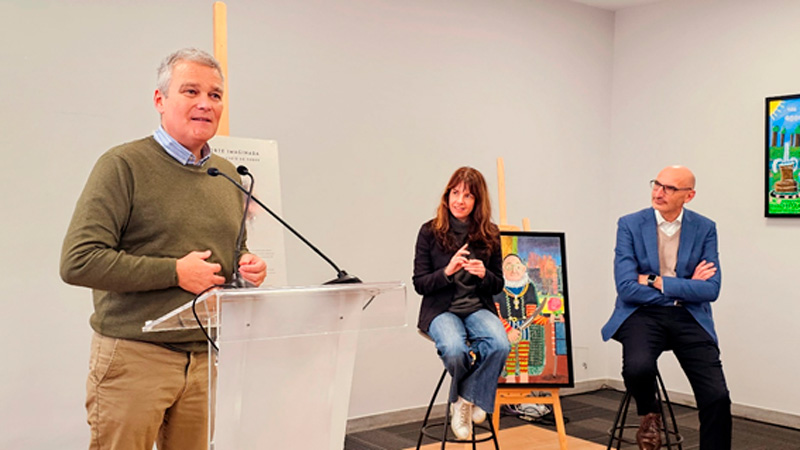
(589, 417)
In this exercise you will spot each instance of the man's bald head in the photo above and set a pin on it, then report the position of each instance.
(672, 188)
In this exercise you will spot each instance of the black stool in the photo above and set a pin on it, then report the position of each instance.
(622, 413)
(445, 435)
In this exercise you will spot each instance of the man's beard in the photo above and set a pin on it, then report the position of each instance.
(519, 283)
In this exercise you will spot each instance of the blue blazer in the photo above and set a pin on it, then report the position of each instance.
(637, 252)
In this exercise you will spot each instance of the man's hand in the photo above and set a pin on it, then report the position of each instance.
(457, 262)
(704, 271)
(540, 320)
(252, 268)
(195, 274)
(658, 283)
(514, 335)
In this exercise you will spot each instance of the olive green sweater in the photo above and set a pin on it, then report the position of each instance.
(139, 212)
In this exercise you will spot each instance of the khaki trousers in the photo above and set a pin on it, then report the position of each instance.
(139, 393)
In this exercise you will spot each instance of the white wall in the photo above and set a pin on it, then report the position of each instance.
(394, 98)
(79, 78)
(690, 78)
(373, 105)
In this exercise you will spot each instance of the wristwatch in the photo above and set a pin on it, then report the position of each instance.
(651, 279)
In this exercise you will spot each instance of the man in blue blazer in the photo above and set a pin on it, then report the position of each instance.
(666, 269)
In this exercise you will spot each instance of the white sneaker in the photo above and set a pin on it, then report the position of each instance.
(461, 419)
(478, 414)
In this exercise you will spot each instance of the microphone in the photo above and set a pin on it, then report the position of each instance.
(342, 277)
(238, 281)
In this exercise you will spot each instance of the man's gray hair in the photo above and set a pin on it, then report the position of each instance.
(185, 54)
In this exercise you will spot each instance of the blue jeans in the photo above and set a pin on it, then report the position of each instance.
(476, 383)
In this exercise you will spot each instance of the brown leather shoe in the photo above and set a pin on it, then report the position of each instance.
(648, 437)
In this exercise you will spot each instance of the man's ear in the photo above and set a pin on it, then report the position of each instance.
(158, 101)
(689, 196)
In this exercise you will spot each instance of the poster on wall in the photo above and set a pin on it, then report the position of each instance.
(534, 309)
(264, 234)
(782, 150)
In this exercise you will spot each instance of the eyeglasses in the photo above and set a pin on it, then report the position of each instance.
(669, 190)
(512, 266)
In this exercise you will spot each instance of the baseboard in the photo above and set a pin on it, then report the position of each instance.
(401, 417)
(781, 418)
(393, 418)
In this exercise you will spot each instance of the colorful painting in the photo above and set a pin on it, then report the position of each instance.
(782, 144)
(534, 310)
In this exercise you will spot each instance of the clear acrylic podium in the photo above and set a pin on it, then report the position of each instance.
(282, 376)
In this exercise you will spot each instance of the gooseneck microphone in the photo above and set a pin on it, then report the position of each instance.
(239, 281)
(342, 277)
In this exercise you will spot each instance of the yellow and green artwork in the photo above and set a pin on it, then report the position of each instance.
(782, 154)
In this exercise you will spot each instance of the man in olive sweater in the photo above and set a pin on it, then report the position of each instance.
(150, 230)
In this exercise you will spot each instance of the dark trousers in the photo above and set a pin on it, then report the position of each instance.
(651, 330)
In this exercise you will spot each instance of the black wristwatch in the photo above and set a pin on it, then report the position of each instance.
(651, 279)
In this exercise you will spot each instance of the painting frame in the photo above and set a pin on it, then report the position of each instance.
(542, 357)
(782, 156)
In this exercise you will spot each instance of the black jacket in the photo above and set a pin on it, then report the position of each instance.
(430, 259)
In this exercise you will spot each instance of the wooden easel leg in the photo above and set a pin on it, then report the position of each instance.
(559, 416)
(496, 414)
(221, 53)
(513, 395)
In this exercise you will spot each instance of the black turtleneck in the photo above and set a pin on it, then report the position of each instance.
(465, 300)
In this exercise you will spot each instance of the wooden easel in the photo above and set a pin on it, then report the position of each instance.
(221, 53)
(510, 395)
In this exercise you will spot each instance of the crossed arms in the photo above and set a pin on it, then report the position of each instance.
(631, 270)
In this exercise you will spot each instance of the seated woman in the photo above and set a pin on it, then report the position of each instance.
(457, 270)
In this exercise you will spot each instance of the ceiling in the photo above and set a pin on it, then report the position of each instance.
(614, 5)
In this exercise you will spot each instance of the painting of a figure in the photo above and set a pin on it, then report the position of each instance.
(533, 307)
(782, 149)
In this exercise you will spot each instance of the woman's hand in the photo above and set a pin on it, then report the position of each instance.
(458, 261)
(475, 267)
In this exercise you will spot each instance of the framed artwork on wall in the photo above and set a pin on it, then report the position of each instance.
(534, 308)
(782, 150)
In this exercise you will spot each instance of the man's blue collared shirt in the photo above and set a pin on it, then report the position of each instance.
(178, 151)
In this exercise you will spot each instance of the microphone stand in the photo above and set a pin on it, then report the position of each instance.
(342, 277)
(238, 281)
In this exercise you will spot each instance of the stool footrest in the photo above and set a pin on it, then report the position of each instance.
(427, 430)
(669, 426)
(445, 434)
(614, 438)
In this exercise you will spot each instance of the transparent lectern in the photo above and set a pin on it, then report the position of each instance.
(282, 376)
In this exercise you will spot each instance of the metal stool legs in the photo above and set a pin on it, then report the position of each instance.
(619, 426)
(667, 433)
(428, 412)
(427, 429)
